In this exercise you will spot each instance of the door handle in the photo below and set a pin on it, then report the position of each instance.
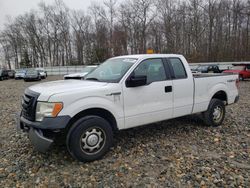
(117, 93)
(168, 89)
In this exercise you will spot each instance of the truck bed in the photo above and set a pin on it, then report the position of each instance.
(206, 84)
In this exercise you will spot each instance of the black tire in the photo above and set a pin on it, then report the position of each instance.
(1, 78)
(215, 113)
(79, 141)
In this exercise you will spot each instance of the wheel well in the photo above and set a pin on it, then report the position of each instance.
(98, 112)
(220, 95)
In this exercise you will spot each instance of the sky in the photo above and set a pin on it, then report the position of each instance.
(14, 8)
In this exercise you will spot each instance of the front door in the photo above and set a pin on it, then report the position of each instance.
(152, 102)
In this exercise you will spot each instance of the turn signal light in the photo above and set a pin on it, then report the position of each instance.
(57, 108)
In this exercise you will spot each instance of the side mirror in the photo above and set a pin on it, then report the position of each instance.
(136, 81)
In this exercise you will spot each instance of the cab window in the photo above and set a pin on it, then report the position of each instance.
(178, 68)
(153, 69)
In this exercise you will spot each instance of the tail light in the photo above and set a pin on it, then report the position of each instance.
(237, 83)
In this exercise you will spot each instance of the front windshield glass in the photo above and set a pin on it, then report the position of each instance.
(21, 71)
(31, 72)
(0, 71)
(111, 70)
(238, 68)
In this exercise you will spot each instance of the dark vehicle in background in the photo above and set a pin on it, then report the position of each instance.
(207, 69)
(81, 75)
(32, 75)
(20, 74)
(3, 74)
(242, 69)
(11, 73)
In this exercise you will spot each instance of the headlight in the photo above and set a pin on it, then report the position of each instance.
(46, 109)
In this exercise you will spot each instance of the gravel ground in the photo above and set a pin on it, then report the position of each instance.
(177, 153)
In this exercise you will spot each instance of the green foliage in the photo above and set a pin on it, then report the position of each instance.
(25, 61)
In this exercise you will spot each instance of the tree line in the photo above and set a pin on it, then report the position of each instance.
(54, 35)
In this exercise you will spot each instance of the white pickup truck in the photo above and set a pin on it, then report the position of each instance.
(122, 93)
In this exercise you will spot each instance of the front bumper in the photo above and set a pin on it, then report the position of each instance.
(36, 130)
(19, 77)
(31, 78)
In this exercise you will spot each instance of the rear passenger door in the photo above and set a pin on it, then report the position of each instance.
(183, 88)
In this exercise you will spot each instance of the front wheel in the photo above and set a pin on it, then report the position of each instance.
(90, 138)
(215, 113)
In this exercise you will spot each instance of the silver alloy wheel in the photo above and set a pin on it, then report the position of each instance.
(92, 140)
(217, 114)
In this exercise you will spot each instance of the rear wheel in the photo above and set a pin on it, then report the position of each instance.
(215, 113)
(89, 138)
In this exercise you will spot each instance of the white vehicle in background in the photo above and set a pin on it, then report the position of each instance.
(42, 72)
(123, 92)
(81, 75)
(20, 74)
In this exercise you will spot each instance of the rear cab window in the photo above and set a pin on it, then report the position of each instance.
(177, 68)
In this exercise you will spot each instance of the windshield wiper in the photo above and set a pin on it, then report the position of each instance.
(96, 79)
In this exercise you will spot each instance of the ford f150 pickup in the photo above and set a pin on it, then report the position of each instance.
(122, 93)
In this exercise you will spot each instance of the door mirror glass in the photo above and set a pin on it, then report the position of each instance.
(136, 81)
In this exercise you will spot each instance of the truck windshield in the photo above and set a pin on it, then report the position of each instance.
(111, 70)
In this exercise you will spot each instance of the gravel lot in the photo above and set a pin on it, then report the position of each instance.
(177, 153)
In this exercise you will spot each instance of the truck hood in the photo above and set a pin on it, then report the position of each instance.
(48, 89)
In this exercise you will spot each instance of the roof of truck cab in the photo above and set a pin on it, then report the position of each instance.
(142, 56)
